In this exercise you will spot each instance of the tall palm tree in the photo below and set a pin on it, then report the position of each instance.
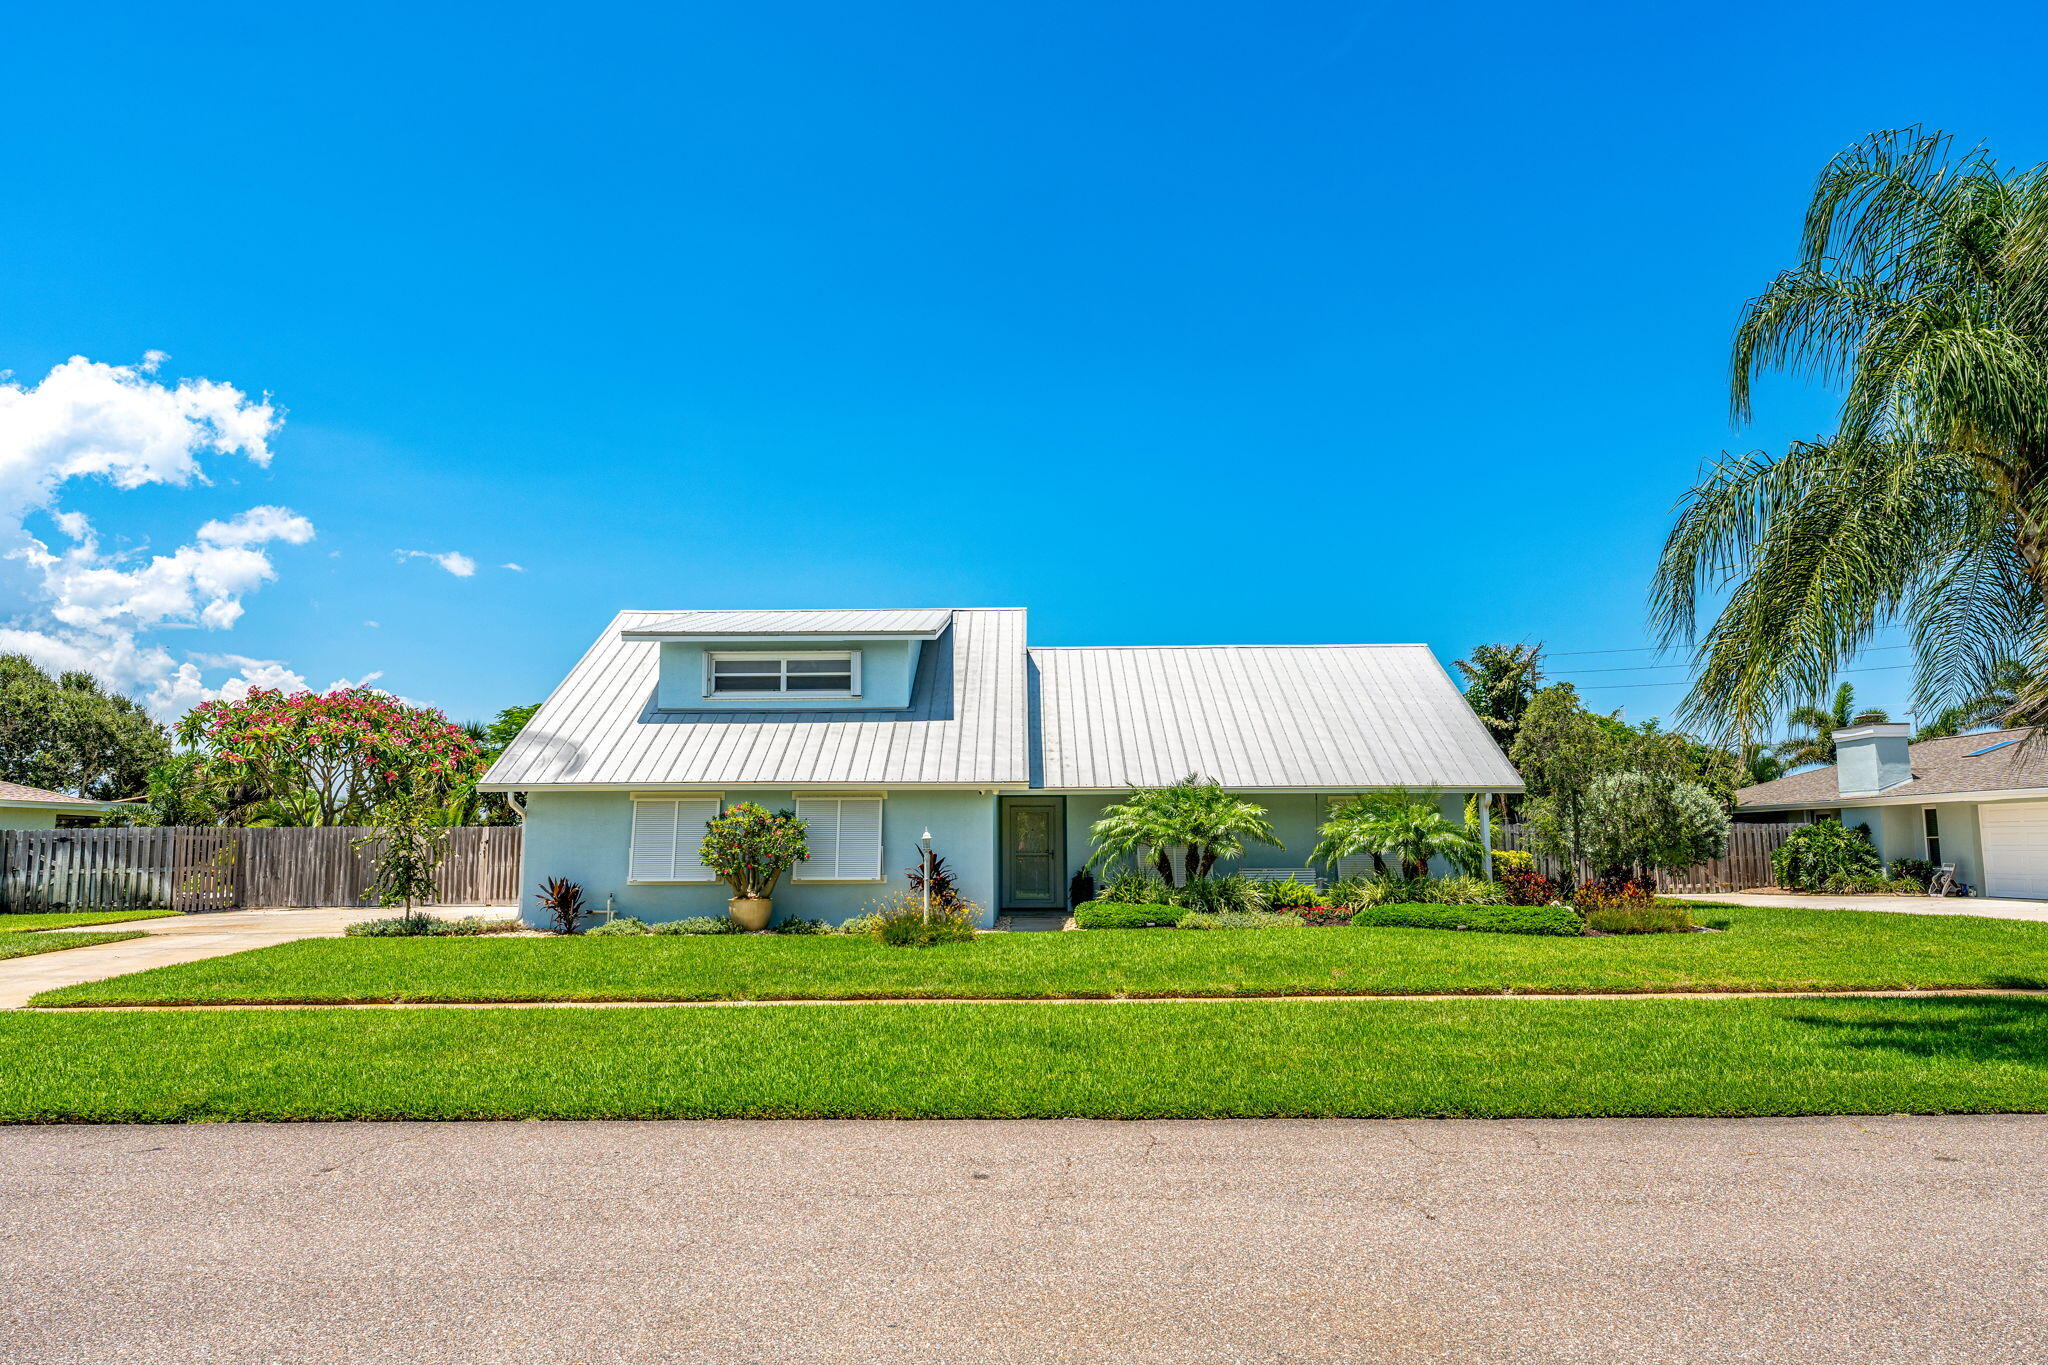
(1922, 291)
(1817, 745)
(1405, 824)
(1194, 815)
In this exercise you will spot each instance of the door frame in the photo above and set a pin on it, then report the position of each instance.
(1058, 806)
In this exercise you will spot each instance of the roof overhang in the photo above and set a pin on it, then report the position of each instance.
(1907, 799)
(79, 807)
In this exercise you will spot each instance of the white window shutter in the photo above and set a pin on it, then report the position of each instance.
(667, 834)
(860, 841)
(845, 839)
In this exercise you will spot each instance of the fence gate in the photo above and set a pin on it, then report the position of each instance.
(227, 869)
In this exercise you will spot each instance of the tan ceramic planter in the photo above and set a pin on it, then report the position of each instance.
(749, 912)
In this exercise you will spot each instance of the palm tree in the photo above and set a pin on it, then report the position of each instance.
(2008, 682)
(1195, 815)
(1759, 764)
(1817, 745)
(1500, 680)
(1922, 290)
(1408, 825)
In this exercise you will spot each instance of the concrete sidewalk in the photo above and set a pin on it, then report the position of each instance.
(1987, 907)
(1827, 1241)
(185, 938)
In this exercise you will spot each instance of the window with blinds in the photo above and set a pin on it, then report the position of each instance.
(667, 832)
(845, 837)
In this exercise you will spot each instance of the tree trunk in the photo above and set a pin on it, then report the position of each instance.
(1163, 864)
(1191, 860)
(1208, 862)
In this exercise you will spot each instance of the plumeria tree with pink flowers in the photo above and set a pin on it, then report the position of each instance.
(333, 758)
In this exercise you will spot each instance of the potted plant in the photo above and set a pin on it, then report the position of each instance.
(749, 847)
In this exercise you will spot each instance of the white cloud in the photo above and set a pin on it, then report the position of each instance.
(94, 609)
(454, 561)
(515, 568)
(373, 624)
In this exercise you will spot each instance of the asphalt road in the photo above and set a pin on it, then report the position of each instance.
(1771, 1240)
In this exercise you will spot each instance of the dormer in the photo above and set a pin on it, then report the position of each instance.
(790, 660)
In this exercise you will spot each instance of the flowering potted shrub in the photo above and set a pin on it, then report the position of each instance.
(750, 847)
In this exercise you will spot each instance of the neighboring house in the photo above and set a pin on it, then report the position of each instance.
(876, 726)
(33, 808)
(1978, 801)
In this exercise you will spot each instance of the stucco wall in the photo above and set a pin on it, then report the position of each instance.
(585, 837)
(1898, 832)
(22, 817)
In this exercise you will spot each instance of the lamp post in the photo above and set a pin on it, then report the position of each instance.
(924, 842)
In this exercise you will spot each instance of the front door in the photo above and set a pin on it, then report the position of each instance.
(1034, 853)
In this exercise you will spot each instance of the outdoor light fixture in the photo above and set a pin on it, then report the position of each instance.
(924, 842)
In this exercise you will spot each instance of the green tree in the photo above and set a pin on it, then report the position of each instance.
(1562, 750)
(409, 845)
(1641, 822)
(1500, 681)
(1409, 825)
(69, 734)
(1817, 744)
(1195, 816)
(1999, 695)
(1921, 290)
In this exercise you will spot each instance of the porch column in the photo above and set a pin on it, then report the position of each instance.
(1486, 836)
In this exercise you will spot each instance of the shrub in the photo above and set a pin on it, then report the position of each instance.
(1506, 860)
(1219, 895)
(1917, 870)
(944, 889)
(902, 922)
(1527, 886)
(1135, 888)
(1288, 895)
(1654, 917)
(1559, 920)
(1828, 848)
(866, 926)
(1347, 893)
(1467, 891)
(1614, 893)
(618, 928)
(421, 926)
(1252, 919)
(1325, 916)
(1872, 886)
(800, 926)
(1110, 915)
(698, 924)
(563, 900)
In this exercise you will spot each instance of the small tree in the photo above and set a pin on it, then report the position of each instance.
(1561, 751)
(1641, 823)
(750, 847)
(1405, 824)
(409, 852)
(1194, 815)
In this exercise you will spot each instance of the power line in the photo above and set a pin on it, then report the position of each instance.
(1651, 649)
(1680, 682)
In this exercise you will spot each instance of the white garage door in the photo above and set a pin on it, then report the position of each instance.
(2015, 848)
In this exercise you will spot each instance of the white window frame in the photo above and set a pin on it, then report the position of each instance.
(683, 867)
(780, 658)
(811, 807)
(1930, 843)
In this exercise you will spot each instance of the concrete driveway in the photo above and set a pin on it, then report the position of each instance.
(184, 938)
(1989, 907)
(1640, 1240)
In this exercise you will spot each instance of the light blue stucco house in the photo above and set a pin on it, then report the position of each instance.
(877, 726)
(1978, 803)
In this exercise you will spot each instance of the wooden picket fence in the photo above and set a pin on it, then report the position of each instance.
(1747, 863)
(229, 869)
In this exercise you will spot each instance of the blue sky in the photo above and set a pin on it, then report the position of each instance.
(1257, 323)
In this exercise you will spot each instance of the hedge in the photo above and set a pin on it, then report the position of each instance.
(1560, 920)
(1116, 915)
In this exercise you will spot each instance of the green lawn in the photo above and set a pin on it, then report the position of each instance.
(1480, 1058)
(71, 919)
(1765, 949)
(29, 945)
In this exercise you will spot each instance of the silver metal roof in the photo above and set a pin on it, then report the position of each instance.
(985, 711)
(965, 725)
(1320, 717)
(916, 621)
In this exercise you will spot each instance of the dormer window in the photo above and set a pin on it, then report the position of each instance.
(783, 673)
